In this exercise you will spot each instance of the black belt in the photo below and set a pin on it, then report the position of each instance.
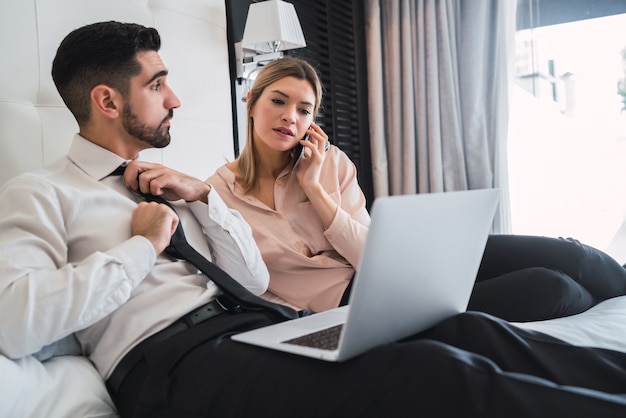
(190, 320)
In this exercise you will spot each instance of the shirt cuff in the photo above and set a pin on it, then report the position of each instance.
(337, 227)
(138, 257)
(215, 213)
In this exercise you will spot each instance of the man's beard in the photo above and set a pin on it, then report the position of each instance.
(156, 137)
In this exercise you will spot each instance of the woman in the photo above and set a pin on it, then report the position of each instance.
(310, 221)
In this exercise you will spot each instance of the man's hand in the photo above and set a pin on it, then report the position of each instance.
(159, 180)
(156, 222)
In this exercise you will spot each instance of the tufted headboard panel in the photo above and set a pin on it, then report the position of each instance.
(35, 126)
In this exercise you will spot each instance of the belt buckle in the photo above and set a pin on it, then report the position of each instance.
(228, 304)
(201, 314)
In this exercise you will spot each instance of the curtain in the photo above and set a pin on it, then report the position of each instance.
(438, 80)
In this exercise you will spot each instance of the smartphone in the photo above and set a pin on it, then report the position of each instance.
(299, 151)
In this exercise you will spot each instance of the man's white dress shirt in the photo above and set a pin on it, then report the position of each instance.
(69, 264)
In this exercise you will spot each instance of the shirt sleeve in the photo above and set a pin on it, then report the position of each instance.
(232, 244)
(350, 226)
(44, 297)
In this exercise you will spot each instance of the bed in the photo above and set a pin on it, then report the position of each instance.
(69, 386)
(35, 129)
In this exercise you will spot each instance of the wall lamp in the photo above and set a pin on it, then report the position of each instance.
(272, 27)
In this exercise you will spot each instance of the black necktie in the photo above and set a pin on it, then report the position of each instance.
(235, 297)
(239, 299)
(118, 171)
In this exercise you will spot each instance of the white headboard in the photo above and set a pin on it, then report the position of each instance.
(35, 126)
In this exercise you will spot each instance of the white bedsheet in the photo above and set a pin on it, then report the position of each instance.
(603, 326)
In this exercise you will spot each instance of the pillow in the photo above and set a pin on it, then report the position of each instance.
(62, 387)
(68, 346)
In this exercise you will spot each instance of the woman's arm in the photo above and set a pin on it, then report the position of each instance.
(350, 225)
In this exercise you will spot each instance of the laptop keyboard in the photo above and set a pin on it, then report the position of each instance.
(325, 339)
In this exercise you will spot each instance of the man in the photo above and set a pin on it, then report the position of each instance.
(76, 245)
(81, 253)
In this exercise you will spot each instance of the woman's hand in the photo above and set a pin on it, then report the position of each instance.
(310, 166)
(308, 174)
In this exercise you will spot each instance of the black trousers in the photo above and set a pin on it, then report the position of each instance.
(528, 278)
(471, 365)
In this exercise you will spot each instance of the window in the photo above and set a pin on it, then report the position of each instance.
(567, 149)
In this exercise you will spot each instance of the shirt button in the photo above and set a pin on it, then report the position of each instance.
(279, 216)
(298, 246)
(329, 237)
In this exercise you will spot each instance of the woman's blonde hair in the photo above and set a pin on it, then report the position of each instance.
(269, 74)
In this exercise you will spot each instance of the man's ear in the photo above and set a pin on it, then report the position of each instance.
(106, 101)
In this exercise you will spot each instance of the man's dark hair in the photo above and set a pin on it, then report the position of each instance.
(99, 53)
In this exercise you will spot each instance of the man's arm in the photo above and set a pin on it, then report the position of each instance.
(232, 244)
(44, 296)
(156, 179)
(229, 235)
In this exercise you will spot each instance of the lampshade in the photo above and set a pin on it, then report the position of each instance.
(272, 26)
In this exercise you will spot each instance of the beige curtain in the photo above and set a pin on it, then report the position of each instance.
(438, 77)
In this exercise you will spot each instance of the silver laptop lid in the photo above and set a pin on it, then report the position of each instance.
(419, 264)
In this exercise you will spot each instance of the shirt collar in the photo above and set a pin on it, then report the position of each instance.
(229, 176)
(94, 160)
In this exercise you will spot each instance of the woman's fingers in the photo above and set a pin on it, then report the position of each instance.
(318, 137)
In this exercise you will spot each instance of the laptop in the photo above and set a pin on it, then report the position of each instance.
(418, 267)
